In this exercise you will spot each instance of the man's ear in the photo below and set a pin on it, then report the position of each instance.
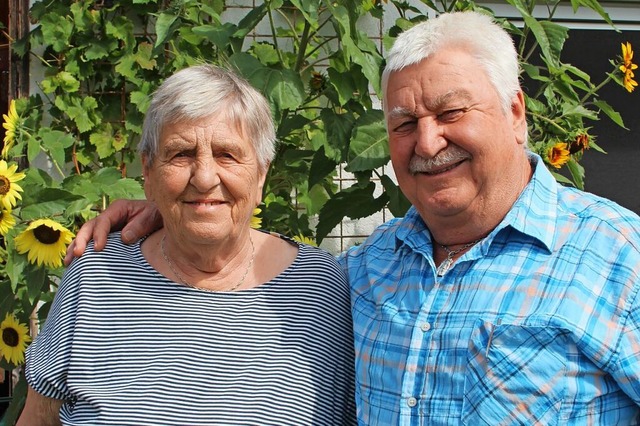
(519, 117)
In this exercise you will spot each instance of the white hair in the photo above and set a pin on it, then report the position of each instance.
(203, 90)
(485, 40)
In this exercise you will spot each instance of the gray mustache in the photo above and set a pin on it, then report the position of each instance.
(445, 158)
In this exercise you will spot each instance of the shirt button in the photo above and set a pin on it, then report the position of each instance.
(425, 327)
(412, 402)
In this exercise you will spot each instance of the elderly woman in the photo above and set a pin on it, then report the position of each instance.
(206, 321)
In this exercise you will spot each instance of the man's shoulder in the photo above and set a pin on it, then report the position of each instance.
(595, 212)
(388, 235)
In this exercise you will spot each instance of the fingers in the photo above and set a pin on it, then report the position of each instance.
(144, 219)
(79, 243)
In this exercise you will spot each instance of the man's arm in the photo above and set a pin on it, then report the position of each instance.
(40, 410)
(136, 218)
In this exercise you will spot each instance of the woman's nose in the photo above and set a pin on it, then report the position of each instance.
(204, 174)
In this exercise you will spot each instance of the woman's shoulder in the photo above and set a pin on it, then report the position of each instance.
(114, 251)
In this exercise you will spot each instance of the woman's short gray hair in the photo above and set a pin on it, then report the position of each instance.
(203, 90)
(489, 43)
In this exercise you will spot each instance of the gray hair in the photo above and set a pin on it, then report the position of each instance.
(489, 43)
(200, 91)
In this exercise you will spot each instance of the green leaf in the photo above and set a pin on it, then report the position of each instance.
(55, 142)
(216, 34)
(125, 188)
(550, 36)
(125, 67)
(46, 203)
(144, 56)
(321, 167)
(309, 9)
(56, 30)
(33, 148)
(593, 5)
(343, 83)
(577, 173)
(80, 112)
(398, 204)
(164, 22)
(98, 50)
(338, 129)
(354, 202)
(283, 88)
(611, 113)
(102, 141)
(369, 148)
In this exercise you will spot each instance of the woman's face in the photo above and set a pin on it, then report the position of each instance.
(205, 179)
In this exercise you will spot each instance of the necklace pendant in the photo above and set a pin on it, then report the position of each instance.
(444, 266)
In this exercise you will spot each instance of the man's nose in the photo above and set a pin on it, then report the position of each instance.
(430, 138)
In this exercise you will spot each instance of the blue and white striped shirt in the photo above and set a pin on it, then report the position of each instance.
(126, 346)
(536, 324)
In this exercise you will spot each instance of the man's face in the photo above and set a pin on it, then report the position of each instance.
(455, 151)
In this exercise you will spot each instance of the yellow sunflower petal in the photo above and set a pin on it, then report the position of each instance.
(558, 155)
(10, 124)
(256, 221)
(9, 189)
(305, 240)
(45, 242)
(14, 339)
(7, 221)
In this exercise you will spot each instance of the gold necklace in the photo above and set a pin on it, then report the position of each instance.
(185, 282)
(446, 264)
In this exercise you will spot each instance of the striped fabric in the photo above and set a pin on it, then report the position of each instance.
(536, 324)
(126, 346)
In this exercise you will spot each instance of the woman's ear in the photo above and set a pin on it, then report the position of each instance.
(262, 177)
(146, 166)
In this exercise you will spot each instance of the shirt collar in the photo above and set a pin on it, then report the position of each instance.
(534, 214)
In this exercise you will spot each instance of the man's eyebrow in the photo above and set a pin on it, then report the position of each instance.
(432, 105)
(400, 112)
(451, 95)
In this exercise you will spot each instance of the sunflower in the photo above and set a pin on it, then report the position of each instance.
(45, 241)
(10, 125)
(9, 189)
(627, 67)
(580, 144)
(7, 221)
(558, 155)
(627, 57)
(628, 82)
(305, 240)
(15, 337)
(256, 221)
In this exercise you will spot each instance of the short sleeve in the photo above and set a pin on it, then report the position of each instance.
(48, 357)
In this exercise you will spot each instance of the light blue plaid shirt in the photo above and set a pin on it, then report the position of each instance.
(536, 324)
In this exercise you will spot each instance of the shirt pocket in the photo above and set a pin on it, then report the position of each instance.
(515, 374)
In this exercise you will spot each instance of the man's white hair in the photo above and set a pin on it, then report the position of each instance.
(485, 40)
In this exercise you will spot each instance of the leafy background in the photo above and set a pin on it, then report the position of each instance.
(312, 59)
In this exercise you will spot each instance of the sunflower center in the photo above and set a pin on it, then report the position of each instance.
(10, 337)
(5, 185)
(46, 235)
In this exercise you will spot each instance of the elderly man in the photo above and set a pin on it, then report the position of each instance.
(501, 297)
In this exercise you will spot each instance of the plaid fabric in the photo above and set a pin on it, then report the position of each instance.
(536, 324)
